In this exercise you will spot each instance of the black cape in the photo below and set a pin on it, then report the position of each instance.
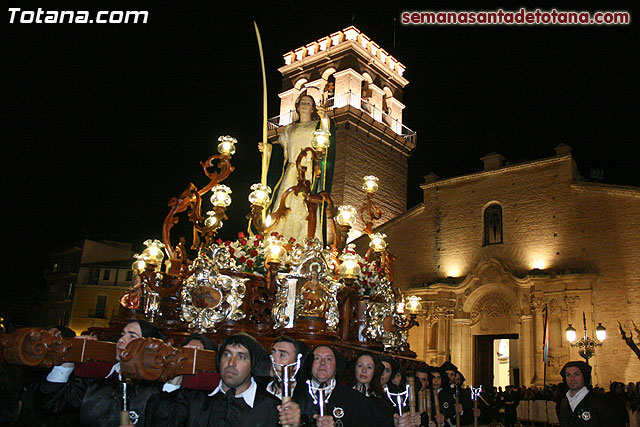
(99, 401)
(591, 411)
(195, 408)
(348, 407)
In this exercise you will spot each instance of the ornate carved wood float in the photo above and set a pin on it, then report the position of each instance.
(319, 294)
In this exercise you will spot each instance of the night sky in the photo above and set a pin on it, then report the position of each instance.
(103, 124)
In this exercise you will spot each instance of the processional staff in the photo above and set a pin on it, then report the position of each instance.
(475, 394)
(457, 397)
(124, 413)
(399, 399)
(422, 401)
(428, 404)
(436, 403)
(411, 389)
(288, 378)
(321, 394)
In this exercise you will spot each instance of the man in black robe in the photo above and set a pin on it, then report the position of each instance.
(236, 402)
(440, 386)
(100, 401)
(511, 402)
(582, 406)
(464, 393)
(464, 407)
(285, 351)
(343, 406)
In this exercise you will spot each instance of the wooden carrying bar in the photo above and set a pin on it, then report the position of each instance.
(144, 358)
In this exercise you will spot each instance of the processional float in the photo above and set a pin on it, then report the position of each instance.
(263, 283)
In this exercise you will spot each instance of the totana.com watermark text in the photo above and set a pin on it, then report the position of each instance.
(40, 16)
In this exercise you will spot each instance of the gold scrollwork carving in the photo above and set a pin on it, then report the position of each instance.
(208, 296)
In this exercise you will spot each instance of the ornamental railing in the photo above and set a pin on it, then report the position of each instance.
(356, 102)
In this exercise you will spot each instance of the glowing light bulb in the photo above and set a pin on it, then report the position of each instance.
(153, 254)
(227, 145)
(221, 196)
(275, 250)
(570, 333)
(349, 268)
(138, 265)
(539, 264)
(260, 195)
(370, 184)
(321, 140)
(211, 219)
(601, 332)
(377, 242)
(346, 215)
(414, 304)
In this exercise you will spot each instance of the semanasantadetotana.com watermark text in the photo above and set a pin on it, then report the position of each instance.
(520, 17)
(40, 16)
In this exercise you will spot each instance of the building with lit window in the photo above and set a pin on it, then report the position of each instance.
(489, 252)
(84, 282)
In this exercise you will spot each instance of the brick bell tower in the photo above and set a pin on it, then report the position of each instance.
(361, 86)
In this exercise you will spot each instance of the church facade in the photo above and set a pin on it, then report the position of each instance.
(490, 252)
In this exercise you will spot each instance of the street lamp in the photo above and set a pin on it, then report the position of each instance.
(586, 345)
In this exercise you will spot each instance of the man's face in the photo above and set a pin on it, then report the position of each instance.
(235, 367)
(458, 379)
(284, 353)
(423, 377)
(575, 380)
(437, 380)
(386, 373)
(129, 333)
(323, 368)
(452, 376)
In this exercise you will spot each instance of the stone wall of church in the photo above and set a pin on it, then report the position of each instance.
(549, 223)
(606, 226)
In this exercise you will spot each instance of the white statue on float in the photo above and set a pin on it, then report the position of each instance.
(295, 139)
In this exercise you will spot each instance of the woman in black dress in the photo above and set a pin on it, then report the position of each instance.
(364, 375)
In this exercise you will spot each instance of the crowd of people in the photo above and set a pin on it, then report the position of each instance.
(622, 399)
(291, 385)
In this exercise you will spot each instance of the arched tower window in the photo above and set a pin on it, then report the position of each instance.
(492, 224)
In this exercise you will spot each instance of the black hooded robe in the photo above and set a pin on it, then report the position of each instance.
(195, 408)
(99, 401)
(347, 406)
